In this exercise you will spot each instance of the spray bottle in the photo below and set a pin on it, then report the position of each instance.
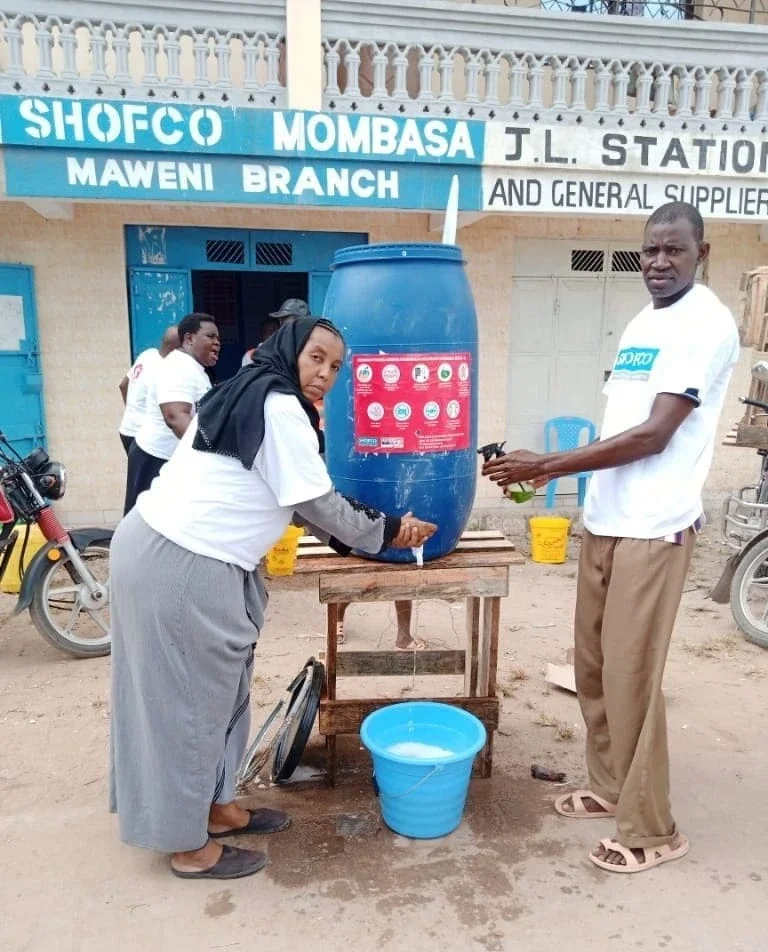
(525, 491)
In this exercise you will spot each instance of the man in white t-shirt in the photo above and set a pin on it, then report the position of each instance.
(175, 387)
(133, 386)
(641, 516)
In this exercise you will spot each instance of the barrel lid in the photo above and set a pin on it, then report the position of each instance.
(397, 252)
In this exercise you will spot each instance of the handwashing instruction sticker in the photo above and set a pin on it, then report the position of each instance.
(411, 403)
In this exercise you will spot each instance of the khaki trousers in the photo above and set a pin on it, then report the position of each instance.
(628, 595)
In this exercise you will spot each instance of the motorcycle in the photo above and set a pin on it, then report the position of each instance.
(744, 581)
(65, 585)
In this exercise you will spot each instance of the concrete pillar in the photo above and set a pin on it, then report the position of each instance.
(304, 54)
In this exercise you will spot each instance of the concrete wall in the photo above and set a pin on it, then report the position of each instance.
(83, 317)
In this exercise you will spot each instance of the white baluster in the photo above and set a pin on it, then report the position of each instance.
(426, 69)
(44, 38)
(13, 38)
(332, 60)
(172, 47)
(703, 94)
(401, 74)
(644, 84)
(352, 62)
(272, 58)
(68, 41)
(223, 61)
(492, 74)
(446, 75)
(602, 87)
(661, 90)
(380, 64)
(121, 44)
(726, 88)
(620, 89)
(149, 51)
(562, 76)
(743, 96)
(517, 75)
(472, 67)
(579, 85)
(761, 108)
(98, 37)
(686, 84)
(201, 50)
(251, 60)
(535, 77)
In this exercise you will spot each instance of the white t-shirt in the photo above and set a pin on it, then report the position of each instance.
(688, 348)
(212, 505)
(178, 378)
(136, 397)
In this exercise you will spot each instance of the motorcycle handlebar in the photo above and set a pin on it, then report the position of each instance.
(755, 403)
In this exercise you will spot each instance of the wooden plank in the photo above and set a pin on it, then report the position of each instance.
(309, 547)
(398, 663)
(755, 437)
(346, 716)
(473, 638)
(352, 565)
(413, 583)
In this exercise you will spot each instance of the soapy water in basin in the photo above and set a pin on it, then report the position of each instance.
(418, 751)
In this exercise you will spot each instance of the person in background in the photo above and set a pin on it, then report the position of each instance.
(404, 641)
(133, 386)
(187, 599)
(289, 310)
(179, 382)
(641, 516)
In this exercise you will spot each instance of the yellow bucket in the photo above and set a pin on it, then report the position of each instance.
(549, 539)
(281, 558)
(11, 581)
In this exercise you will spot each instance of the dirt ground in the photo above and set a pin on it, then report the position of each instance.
(514, 876)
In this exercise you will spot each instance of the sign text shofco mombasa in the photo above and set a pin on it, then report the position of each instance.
(91, 149)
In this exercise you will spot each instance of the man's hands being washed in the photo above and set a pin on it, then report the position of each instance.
(413, 532)
(520, 466)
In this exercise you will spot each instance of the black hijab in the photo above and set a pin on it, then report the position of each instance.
(230, 418)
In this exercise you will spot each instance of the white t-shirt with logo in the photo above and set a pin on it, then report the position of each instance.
(688, 348)
(179, 378)
(136, 397)
(214, 506)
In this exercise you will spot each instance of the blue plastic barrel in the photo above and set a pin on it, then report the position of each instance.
(401, 422)
(422, 794)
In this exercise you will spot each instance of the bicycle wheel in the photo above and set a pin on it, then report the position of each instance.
(749, 595)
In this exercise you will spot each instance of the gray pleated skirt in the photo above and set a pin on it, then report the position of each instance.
(183, 631)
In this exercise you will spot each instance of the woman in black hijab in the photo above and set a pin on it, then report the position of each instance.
(188, 602)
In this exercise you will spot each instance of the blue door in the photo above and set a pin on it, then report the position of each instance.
(21, 381)
(158, 298)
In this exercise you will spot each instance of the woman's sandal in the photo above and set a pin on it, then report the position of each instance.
(416, 645)
(579, 809)
(233, 863)
(652, 855)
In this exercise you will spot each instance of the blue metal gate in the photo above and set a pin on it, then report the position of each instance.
(21, 381)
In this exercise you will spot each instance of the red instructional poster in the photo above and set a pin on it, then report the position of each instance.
(412, 403)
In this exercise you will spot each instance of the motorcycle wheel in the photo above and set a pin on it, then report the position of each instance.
(61, 609)
(749, 595)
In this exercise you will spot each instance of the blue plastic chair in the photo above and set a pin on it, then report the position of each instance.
(567, 431)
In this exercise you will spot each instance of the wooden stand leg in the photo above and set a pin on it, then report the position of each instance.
(473, 639)
(330, 760)
(332, 617)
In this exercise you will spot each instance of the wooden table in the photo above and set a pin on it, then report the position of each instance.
(477, 571)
